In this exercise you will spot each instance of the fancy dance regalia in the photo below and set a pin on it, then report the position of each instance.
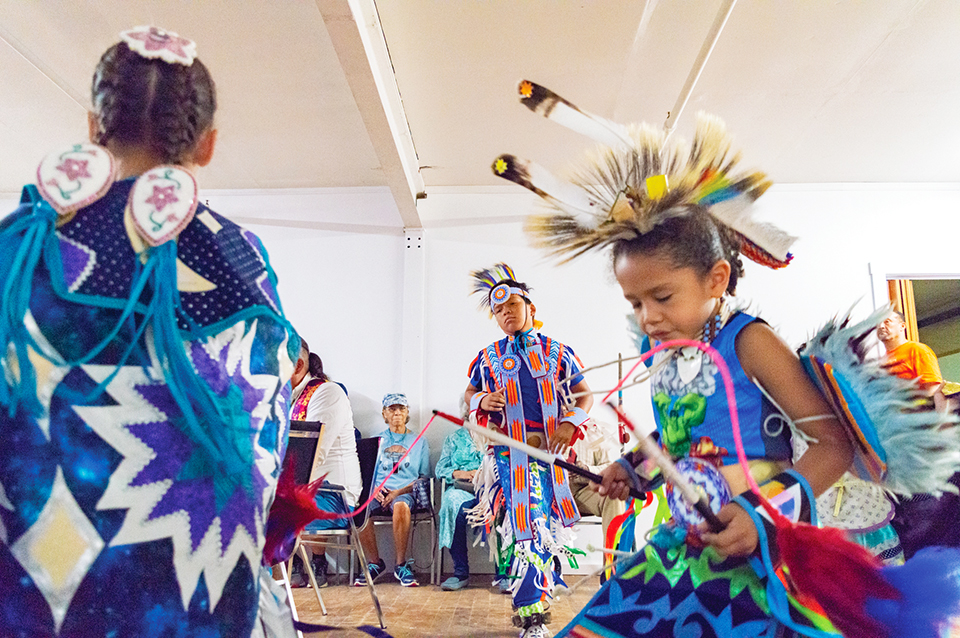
(522, 501)
(674, 584)
(633, 182)
(144, 413)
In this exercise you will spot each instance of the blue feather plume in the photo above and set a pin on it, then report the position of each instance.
(920, 446)
(930, 586)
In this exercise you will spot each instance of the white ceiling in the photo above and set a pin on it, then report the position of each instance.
(814, 90)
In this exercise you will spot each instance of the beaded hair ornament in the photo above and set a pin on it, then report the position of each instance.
(636, 180)
(157, 43)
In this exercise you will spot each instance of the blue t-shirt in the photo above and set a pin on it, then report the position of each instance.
(481, 377)
(392, 448)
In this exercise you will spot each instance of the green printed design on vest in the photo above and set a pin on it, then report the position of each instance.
(678, 417)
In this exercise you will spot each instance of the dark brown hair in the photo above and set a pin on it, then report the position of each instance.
(314, 363)
(691, 239)
(162, 106)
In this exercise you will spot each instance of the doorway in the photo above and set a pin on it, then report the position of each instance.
(931, 309)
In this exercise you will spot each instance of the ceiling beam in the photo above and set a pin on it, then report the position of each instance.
(45, 69)
(357, 36)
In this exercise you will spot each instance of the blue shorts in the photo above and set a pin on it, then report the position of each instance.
(329, 502)
(377, 508)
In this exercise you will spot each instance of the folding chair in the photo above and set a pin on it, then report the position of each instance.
(367, 452)
(302, 446)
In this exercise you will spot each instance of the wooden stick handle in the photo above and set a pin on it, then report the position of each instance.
(536, 453)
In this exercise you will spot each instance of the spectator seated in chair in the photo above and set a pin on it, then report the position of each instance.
(595, 450)
(458, 464)
(397, 496)
(316, 398)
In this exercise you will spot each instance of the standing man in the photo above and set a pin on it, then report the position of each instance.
(528, 386)
(921, 520)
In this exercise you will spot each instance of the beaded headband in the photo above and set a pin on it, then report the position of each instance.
(491, 283)
(156, 43)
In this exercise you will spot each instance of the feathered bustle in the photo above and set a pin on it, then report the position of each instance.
(294, 507)
(900, 439)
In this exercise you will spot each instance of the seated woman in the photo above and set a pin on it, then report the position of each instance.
(458, 464)
(396, 496)
(316, 398)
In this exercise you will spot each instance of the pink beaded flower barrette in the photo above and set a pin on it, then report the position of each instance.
(154, 42)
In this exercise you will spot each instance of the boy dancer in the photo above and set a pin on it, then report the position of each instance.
(524, 385)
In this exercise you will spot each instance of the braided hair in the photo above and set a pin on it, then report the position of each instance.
(151, 103)
(691, 239)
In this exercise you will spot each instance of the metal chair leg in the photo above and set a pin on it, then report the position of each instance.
(313, 578)
(366, 572)
(286, 585)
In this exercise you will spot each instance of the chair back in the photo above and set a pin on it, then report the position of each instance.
(367, 454)
(302, 449)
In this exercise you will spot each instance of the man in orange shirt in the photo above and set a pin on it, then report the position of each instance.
(921, 520)
(909, 359)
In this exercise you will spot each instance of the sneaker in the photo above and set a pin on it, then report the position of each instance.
(404, 574)
(298, 578)
(454, 583)
(319, 562)
(376, 571)
(503, 583)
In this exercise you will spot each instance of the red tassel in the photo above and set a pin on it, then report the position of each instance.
(294, 507)
(839, 574)
(449, 417)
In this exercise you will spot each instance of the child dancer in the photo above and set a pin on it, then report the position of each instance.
(521, 385)
(677, 221)
(678, 278)
(145, 362)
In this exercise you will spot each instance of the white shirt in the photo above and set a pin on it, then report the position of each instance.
(337, 447)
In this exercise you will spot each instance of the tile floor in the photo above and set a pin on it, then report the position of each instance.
(477, 611)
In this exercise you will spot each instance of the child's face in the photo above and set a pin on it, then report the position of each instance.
(670, 302)
(514, 314)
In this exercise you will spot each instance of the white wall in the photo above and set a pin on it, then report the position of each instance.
(341, 289)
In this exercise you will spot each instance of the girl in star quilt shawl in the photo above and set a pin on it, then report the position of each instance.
(146, 360)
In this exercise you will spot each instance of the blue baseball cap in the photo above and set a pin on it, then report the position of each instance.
(395, 398)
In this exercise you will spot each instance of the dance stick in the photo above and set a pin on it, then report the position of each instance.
(652, 451)
(537, 453)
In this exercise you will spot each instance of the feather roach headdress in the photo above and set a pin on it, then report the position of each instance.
(635, 180)
(496, 284)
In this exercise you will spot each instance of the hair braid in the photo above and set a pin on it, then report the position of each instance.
(731, 246)
(151, 103)
(175, 131)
